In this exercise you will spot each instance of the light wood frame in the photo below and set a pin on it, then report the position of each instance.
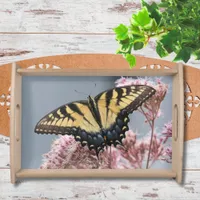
(177, 118)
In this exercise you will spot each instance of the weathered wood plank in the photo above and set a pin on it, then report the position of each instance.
(16, 47)
(100, 189)
(88, 16)
(191, 153)
(20, 47)
(4, 151)
(65, 15)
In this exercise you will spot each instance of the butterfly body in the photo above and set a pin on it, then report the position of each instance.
(100, 121)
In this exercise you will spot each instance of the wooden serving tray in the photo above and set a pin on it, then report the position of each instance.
(192, 83)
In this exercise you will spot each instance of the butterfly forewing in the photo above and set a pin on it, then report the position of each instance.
(67, 119)
(127, 98)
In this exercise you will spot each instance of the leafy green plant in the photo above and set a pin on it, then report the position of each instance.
(174, 23)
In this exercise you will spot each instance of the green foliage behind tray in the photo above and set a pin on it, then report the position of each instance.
(174, 23)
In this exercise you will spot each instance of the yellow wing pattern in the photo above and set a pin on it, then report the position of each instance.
(67, 118)
(112, 102)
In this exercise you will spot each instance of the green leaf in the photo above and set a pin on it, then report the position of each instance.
(164, 5)
(174, 23)
(121, 32)
(152, 26)
(153, 10)
(137, 38)
(124, 49)
(125, 46)
(131, 60)
(138, 45)
(161, 51)
(141, 18)
(184, 54)
(135, 30)
(119, 51)
(197, 54)
(170, 41)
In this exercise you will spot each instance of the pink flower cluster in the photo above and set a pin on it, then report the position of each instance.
(150, 108)
(167, 156)
(66, 153)
(167, 131)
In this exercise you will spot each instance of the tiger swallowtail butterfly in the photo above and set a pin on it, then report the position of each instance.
(99, 121)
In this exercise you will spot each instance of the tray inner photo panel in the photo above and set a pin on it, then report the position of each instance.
(43, 94)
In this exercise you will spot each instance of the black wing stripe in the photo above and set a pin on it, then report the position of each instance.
(120, 94)
(76, 109)
(128, 90)
(146, 94)
(88, 121)
(63, 110)
(108, 98)
(56, 115)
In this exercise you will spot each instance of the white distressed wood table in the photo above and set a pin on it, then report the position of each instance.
(31, 29)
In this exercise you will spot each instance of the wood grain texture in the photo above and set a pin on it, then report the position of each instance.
(96, 72)
(15, 122)
(78, 64)
(5, 75)
(191, 153)
(46, 45)
(178, 124)
(70, 16)
(17, 47)
(4, 152)
(100, 189)
(89, 16)
(95, 173)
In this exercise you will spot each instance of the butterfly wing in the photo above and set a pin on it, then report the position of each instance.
(72, 119)
(114, 107)
(76, 118)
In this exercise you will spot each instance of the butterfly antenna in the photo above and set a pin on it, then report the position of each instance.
(93, 88)
(80, 92)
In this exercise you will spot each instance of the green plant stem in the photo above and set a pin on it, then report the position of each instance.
(157, 34)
